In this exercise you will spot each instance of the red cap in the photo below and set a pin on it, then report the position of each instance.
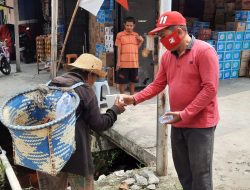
(169, 18)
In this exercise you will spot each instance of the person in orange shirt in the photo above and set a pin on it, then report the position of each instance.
(128, 42)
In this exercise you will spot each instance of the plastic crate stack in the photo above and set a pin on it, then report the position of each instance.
(201, 29)
(233, 48)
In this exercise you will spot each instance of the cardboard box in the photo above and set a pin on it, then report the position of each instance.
(204, 34)
(242, 4)
(220, 27)
(243, 72)
(244, 64)
(235, 26)
(219, 19)
(220, 11)
(230, 16)
(109, 38)
(230, 26)
(109, 46)
(109, 30)
(229, 7)
(107, 59)
(101, 29)
(245, 55)
(208, 17)
(191, 20)
(111, 76)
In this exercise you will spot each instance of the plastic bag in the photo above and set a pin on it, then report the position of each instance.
(64, 105)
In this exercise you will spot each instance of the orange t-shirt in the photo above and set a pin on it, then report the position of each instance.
(129, 45)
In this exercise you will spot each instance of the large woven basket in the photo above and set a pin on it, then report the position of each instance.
(40, 141)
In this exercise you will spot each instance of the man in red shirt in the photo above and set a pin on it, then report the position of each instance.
(190, 69)
(128, 42)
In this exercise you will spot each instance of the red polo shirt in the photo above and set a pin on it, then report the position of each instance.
(193, 81)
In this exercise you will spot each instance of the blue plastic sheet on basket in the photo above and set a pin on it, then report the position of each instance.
(40, 140)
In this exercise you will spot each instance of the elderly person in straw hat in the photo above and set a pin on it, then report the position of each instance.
(78, 171)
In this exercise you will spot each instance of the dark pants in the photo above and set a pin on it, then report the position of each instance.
(192, 151)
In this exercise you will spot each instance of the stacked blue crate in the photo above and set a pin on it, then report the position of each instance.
(229, 45)
(228, 50)
(197, 25)
(244, 36)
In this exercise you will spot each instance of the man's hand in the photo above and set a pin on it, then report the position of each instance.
(117, 68)
(176, 117)
(128, 99)
(140, 38)
(120, 105)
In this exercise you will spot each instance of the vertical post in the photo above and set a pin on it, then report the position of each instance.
(54, 16)
(16, 18)
(67, 34)
(162, 104)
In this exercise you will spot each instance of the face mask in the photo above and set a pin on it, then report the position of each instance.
(171, 41)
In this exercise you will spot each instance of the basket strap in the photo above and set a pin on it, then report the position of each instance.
(77, 85)
(47, 84)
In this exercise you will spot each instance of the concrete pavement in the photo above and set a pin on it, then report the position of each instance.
(135, 129)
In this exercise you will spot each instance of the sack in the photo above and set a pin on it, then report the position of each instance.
(66, 102)
(64, 105)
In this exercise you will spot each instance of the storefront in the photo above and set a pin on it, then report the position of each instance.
(109, 22)
(222, 23)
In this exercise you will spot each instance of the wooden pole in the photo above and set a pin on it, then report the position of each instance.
(16, 18)
(67, 34)
(54, 16)
(162, 106)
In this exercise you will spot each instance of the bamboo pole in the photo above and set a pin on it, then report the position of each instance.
(67, 34)
(162, 106)
(54, 8)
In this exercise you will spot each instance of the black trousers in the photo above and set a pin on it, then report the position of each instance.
(192, 150)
